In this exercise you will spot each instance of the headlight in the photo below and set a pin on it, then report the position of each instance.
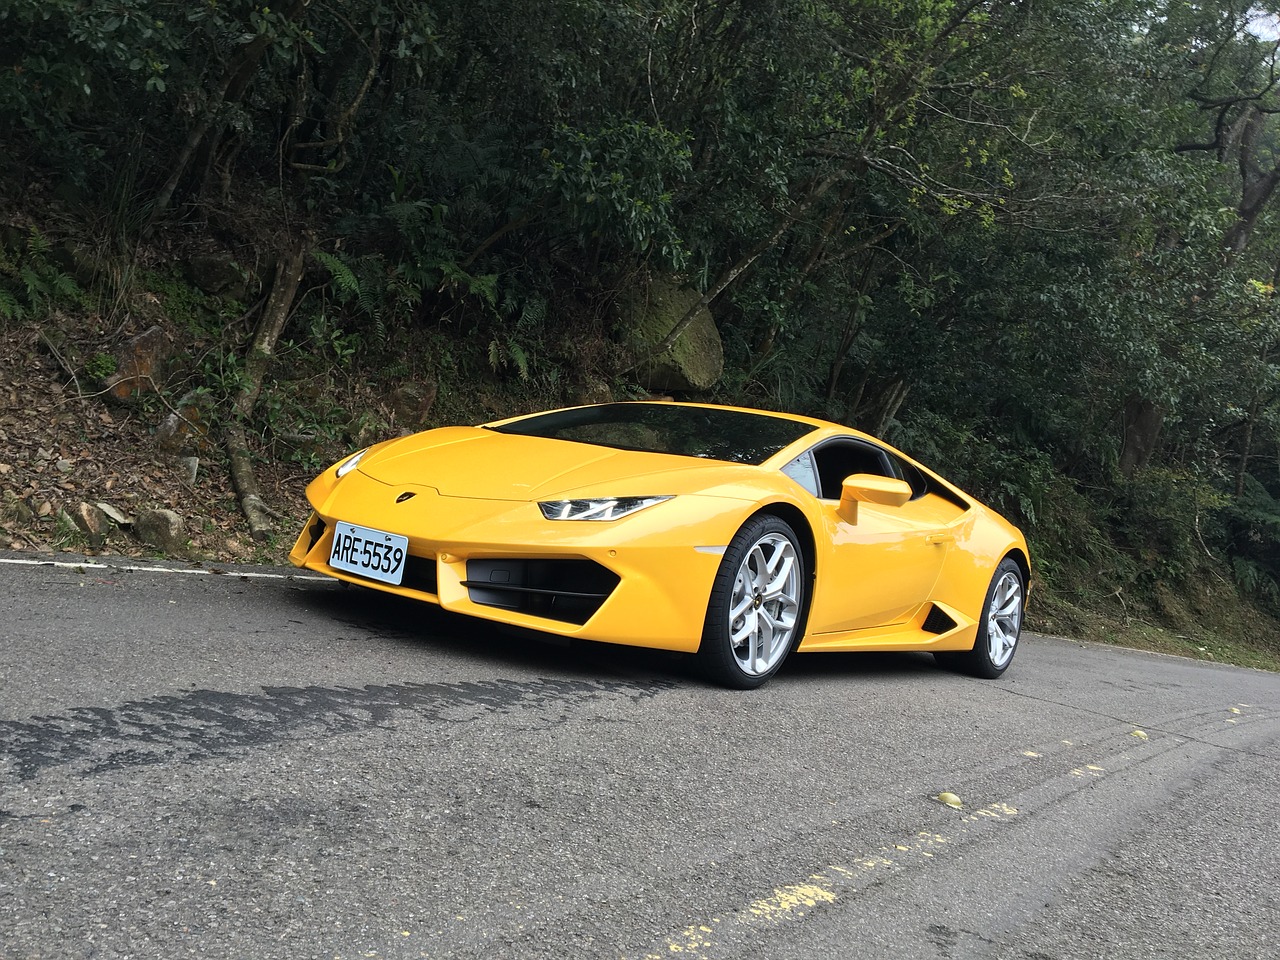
(599, 508)
(349, 464)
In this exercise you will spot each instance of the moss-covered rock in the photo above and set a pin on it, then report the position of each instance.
(696, 359)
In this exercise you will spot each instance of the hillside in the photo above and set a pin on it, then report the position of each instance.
(1032, 244)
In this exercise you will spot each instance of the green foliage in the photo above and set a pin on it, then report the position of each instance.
(990, 231)
(1254, 528)
(1163, 516)
(100, 366)
(615, 183)
(31, 282)
(193, 311)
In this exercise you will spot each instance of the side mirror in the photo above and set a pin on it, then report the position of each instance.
(868, 488)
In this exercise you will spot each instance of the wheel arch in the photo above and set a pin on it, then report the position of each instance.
(795, 518)
(1019, 556)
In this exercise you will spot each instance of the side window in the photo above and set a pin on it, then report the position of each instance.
(910, 473)
(803, 472)
(838, 459)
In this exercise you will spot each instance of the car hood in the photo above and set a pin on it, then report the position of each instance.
(487, 465)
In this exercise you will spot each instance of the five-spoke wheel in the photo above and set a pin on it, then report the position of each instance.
(999, 627)
(756, 605)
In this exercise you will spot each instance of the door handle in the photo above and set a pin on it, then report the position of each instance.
(938, 539)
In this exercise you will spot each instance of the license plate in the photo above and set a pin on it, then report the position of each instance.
(375, 554)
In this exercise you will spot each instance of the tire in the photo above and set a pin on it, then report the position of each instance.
(998, 629)
(756, 610)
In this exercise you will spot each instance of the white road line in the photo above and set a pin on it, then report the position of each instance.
(135, 568)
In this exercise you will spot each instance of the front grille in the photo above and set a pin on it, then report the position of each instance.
(570, 591)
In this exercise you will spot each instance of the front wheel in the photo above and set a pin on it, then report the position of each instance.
(999, 627)
(756, 604)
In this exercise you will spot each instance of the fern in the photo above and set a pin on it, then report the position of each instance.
(520, 357)
(64, 287)
(345, 284)
(10, 308)
(508, 353)
(37, 288)
(1253, 578)
(30, 282)
(38, 245)
(484, 286)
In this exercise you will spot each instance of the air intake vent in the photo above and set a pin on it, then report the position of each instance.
(566, 590)
(937, 621)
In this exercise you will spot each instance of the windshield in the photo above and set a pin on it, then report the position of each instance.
(712, 433)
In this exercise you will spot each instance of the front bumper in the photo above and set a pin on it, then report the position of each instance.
(640, 581)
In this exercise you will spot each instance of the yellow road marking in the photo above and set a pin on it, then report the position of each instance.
(794, 901)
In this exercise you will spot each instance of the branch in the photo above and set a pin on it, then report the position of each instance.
(738, 269)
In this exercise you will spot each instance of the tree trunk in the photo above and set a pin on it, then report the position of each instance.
(231, 90)
(284, 287)
(1143, 421)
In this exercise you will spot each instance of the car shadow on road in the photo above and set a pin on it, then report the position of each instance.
(855, 667)
(411, 623)
(417, 625)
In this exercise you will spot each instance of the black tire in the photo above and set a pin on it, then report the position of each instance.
(743, 648)
(999, 627)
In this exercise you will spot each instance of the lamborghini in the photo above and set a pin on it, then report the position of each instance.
(731, 534)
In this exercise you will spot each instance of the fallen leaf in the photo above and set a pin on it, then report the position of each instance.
(950, 799)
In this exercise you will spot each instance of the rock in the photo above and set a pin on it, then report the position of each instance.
(114, 515)
(190, 468)
(92, 523)
(162, 529)
(18, 508)
(411, 402)
(696, 359)
(138, 363)
(187, 425)
(593, 391)
(218, 276)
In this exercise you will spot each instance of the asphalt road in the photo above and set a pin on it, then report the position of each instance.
(245, 767)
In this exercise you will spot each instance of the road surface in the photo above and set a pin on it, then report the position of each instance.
(225, 765)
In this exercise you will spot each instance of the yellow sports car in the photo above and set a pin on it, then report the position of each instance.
(738, 535)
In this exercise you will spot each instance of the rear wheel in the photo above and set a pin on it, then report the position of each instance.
(756, 603)
(999, 627)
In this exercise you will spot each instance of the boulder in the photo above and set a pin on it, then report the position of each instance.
(592, 390)
(411, 402)
(218, 276)
(138, 363)
(162, 529)
(187, 425)
(93, 523)
(694, 361)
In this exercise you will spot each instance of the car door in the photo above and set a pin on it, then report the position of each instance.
(878, 567)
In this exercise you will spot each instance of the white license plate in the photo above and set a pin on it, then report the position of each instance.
(375, 554)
